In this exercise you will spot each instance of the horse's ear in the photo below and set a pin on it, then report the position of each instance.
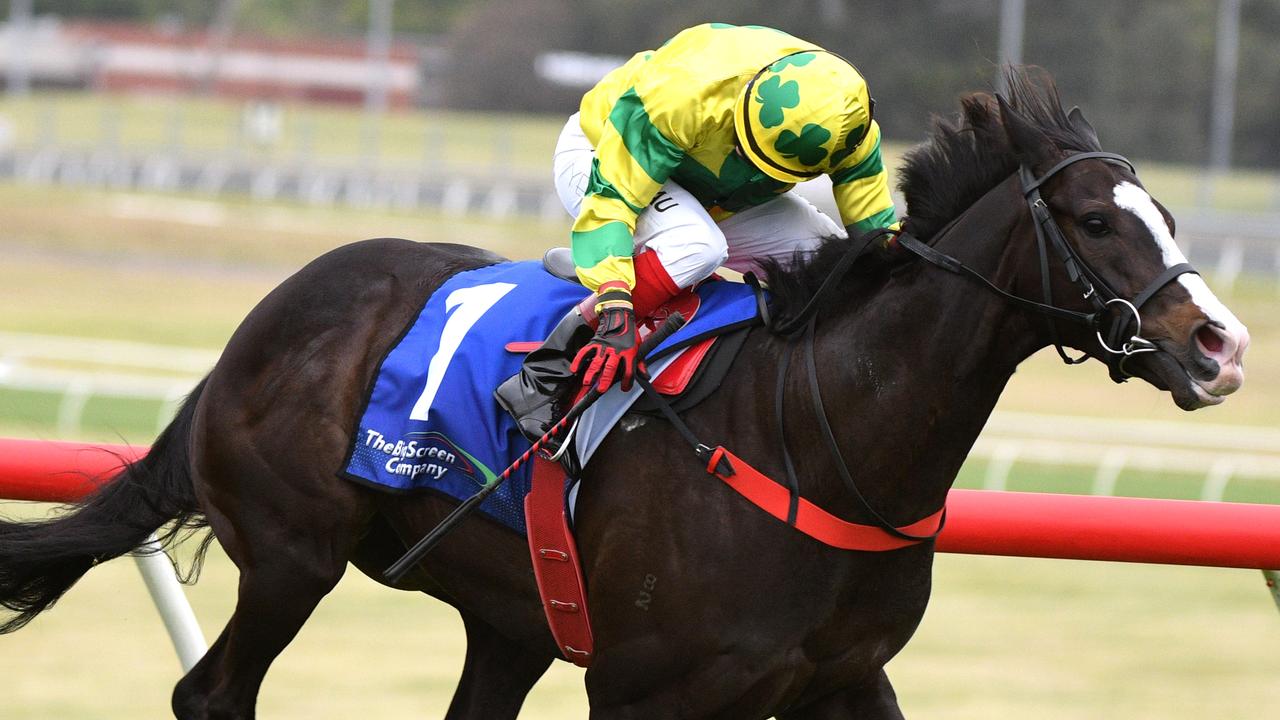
(1029, 142)
(1082, 126)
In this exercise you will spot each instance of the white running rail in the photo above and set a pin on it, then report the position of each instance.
(1112, 445)
(77, 369)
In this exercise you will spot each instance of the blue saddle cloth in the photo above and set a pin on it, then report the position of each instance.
(430, 421)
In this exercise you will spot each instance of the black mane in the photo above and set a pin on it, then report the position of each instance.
(969, 154)
(965, 156)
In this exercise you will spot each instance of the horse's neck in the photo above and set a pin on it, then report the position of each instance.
(910, 377)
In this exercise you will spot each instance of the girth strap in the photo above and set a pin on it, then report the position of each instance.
(556, 568)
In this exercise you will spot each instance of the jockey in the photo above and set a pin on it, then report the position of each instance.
(681, 161)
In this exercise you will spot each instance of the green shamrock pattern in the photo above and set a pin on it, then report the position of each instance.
(797, 60)
(807, 146)
(775, 97)
(850, 144)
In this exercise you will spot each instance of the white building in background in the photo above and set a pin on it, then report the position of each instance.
(575, 69)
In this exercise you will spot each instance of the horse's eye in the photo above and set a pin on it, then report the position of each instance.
(1095, 225)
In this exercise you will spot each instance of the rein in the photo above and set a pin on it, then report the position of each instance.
(857, 248)
(883, 535)
(1093, 287)
(767, 493)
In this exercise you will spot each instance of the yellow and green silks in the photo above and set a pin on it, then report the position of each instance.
(668, 114)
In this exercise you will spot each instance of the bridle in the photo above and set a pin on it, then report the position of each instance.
(1110, 327)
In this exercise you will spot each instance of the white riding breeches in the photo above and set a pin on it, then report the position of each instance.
(688, 242)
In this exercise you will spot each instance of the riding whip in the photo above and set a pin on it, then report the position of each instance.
(674, 322)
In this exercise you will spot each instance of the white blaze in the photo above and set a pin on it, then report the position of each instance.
(1137, 201)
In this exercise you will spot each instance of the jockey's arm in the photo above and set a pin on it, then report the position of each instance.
(861, 187)
(634, 157)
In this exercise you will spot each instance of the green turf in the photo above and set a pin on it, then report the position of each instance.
(309, 134)
(37, 411)
(107, 419)
(134, 420)
(1004, 638)
(1078, 480)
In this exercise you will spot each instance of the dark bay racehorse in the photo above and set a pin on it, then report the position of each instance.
(746, 618)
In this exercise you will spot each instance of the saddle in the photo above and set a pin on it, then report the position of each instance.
(692, 377)
(559, 262)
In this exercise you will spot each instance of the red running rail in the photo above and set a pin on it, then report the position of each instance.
(1081, 527)
(1087, 527)
(58, 471)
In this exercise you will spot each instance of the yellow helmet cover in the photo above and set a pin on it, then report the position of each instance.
(802, 115)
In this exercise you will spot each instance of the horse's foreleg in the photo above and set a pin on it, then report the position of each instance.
(496, 677)
(874, 701)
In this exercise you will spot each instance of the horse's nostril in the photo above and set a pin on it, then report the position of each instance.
(1209, 339)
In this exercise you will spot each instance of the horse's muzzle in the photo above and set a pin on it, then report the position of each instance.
(1214, 343)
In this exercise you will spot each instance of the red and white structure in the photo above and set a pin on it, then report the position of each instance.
(63, 472)
(980, 522)
(139, 58)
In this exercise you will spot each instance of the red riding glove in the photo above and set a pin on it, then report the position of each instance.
(611, 354)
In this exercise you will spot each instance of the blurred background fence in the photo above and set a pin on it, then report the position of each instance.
(245, 99)
(135, 388)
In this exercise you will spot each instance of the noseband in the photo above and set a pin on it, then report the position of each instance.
(1111, 327)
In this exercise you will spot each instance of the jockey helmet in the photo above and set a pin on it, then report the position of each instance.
(802, 115)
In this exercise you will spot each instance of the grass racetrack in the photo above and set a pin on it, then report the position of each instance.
(1004, 638)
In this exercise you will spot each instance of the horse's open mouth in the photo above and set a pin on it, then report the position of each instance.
(1182, 373)
(1203, 396)
(1165, 372)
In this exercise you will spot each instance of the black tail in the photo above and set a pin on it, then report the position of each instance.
(39, 561)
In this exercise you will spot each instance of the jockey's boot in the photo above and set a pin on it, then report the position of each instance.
(535, 396)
